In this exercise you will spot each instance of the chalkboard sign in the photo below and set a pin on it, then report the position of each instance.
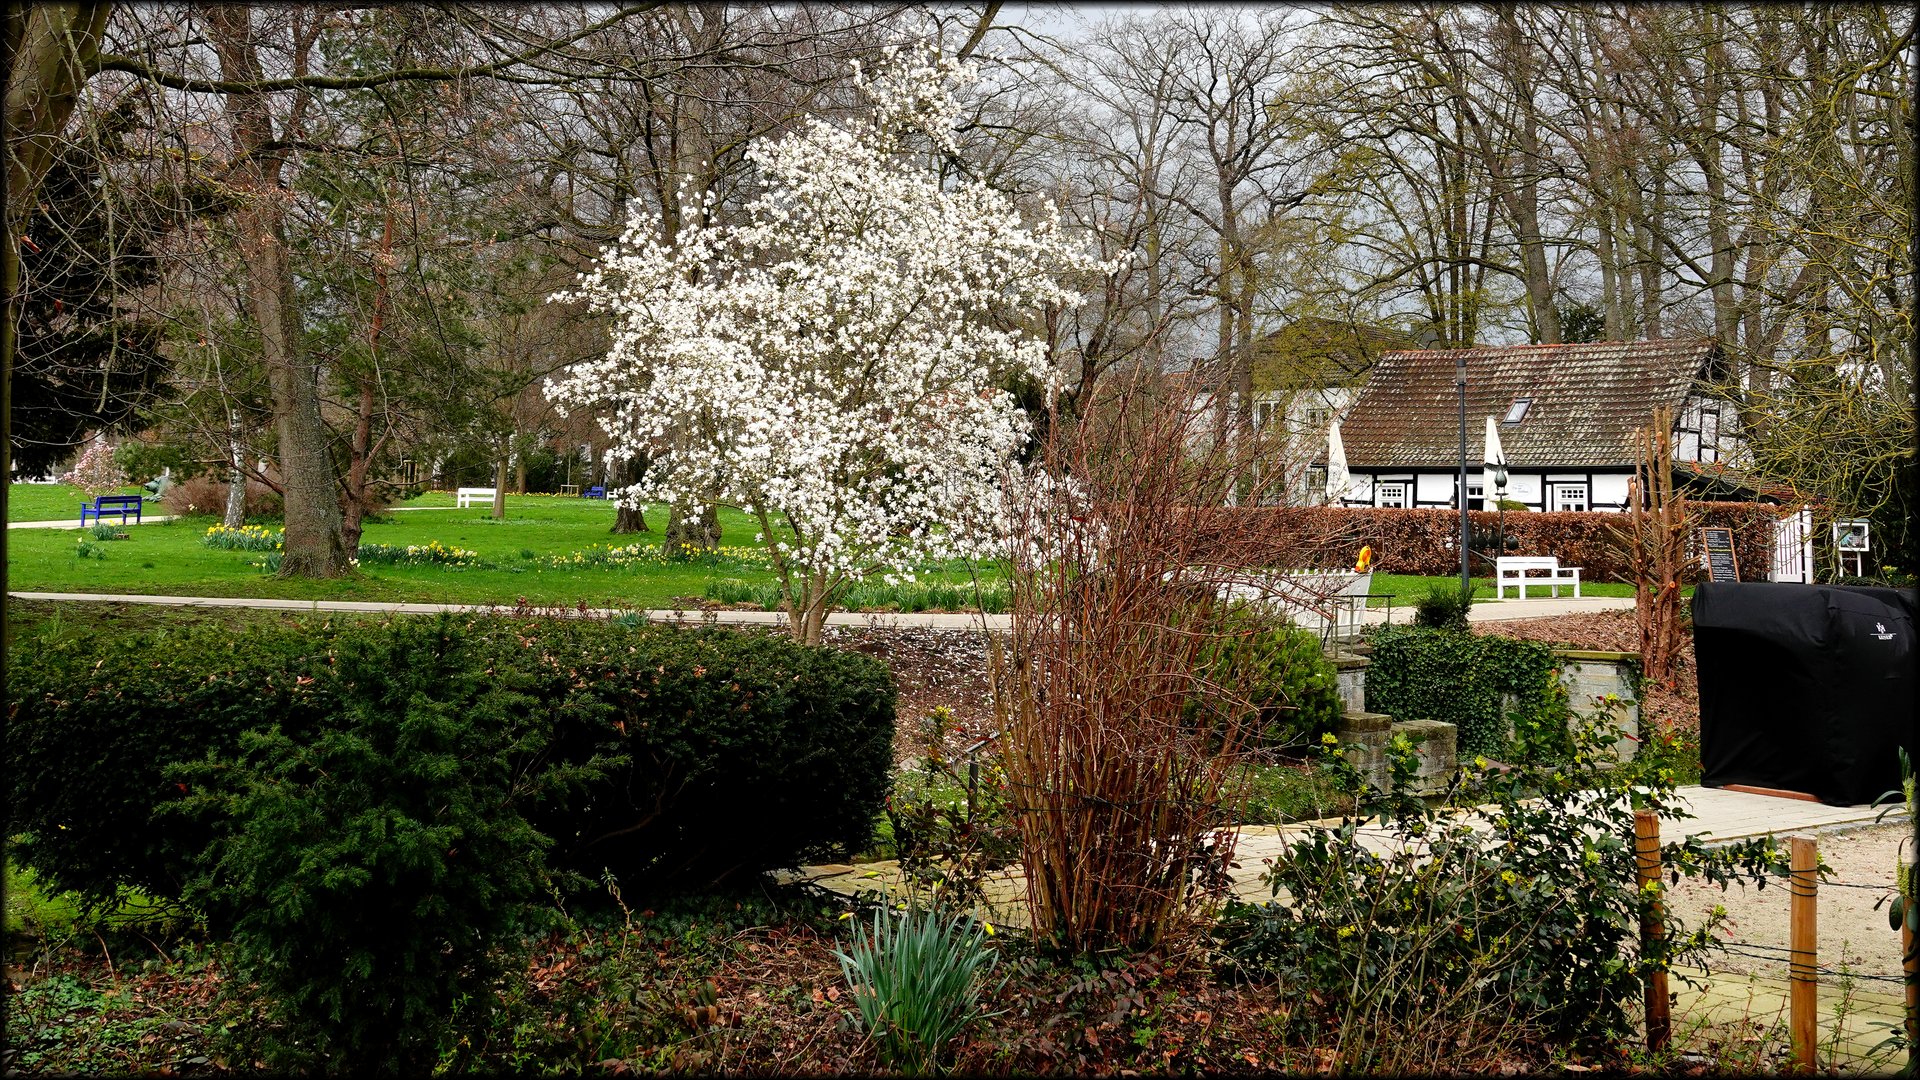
(1717, 551)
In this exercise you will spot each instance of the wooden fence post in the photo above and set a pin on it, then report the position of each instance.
(1803, 935)
(1910, 963)
(1646, 850)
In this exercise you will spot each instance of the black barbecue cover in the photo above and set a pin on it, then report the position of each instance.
(1805, 687)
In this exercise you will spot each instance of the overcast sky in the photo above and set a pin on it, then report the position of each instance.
(1067, 21)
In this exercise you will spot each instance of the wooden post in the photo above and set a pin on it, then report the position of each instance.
(1646, 850)
(1804, 1004)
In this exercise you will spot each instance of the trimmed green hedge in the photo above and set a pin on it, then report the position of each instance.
(1460, 678)
(720, 752)
(100, 726)
(371, 814)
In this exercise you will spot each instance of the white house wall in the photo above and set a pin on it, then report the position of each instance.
(1300, 420)
(1606, 490)
(1708, 430)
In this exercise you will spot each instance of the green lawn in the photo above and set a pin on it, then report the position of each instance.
(57, 502)
(1407, 589)
(514, 554)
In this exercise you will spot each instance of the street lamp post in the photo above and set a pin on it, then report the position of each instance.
(1460, 385)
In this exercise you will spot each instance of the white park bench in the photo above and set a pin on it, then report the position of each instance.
(1516, 572)
(465, 497)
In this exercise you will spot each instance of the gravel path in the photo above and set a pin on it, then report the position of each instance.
(1853, 932)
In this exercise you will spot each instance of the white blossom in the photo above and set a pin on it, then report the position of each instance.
(831, 358)
(96, 472)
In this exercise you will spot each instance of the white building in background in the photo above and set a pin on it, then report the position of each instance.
(1566, 417)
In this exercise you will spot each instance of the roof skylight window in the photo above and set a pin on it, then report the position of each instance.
(1517, 411)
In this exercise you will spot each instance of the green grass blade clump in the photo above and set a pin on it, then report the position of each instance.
(917, 979)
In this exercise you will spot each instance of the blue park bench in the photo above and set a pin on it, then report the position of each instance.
(595, 492)
(111, 504)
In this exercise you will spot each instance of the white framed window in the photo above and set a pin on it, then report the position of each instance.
(1318, 419)
(1517, 411)
(1316, 481)
(1475, 491)
(1391, 493)
(1710, 435)
(1569, 497)
(1262, 415)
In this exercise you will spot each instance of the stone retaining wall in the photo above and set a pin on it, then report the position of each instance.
(1589, 675)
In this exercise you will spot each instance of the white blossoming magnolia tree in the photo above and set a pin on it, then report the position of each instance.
(828, 363)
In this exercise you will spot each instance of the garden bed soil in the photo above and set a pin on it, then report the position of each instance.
(1673, 708)
(931, 668)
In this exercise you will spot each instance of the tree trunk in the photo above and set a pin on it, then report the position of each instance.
(1658, 524)
(361, 451)
(236, 515)
(359, 462)
(807, 614)
(313, 546)
(624, 519)
(500, 488)
(1522, 196)
(520, 474)
(1650, 270)
(699, 531)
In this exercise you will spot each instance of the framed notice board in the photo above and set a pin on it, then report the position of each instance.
(1716, 551)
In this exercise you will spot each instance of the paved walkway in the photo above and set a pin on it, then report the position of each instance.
(153, 519)
(72, 523)
(1482, 611)
(1718, 816)
(1731, 1007)
(691, 617)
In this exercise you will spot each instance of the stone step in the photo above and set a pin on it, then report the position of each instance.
(1366, 735)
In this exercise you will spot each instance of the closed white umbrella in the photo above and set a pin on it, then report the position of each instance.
(1495, 456)
(1338, 479)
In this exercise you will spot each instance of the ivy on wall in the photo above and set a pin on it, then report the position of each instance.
(1482, 684)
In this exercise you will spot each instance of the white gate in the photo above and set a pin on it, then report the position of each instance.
(1793, 547)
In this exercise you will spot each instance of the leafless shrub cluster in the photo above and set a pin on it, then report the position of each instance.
(1121, 796)
(1655, 541)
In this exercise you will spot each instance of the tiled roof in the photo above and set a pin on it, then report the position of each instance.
(1588, 399)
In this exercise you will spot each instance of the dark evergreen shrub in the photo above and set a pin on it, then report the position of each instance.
(368, 871)
(368, 811)
(745, 751)
(738, 752)
(100, 725)
(1278, 670)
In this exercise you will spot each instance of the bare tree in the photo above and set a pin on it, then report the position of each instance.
(268, 72)
(49, 52)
